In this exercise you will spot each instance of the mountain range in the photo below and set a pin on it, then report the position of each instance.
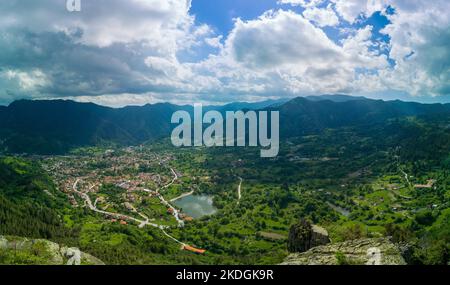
(57, 126)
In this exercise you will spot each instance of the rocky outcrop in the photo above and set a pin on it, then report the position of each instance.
(319, 236)
(304, 235)
(53, 253)
(378, 251)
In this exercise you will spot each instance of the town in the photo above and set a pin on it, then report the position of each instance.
(127, 187)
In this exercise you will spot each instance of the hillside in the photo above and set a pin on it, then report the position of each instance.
(383, 174)
(23, 251)
(29, 203)
(56, 127)
(303, 116)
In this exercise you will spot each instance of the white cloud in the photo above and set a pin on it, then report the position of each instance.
(114, 49)
(419, 40)
(104, 22)
(280, 38)
(111, 46)
(303, 3)
(283, 53)
(27, 81)
(351, 10)
(215, 42)
(322, 17)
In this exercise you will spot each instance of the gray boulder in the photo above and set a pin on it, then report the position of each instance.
(379, 251)
(304, 236)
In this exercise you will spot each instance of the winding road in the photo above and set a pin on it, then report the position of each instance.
(142, 223)
(175, 178)
(406, 176)
(182, 196)
(94, 208)
(239, 190)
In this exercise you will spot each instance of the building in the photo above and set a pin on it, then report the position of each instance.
(193, 249)
(429, 185)
(188, 219)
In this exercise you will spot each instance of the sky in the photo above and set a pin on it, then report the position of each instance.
(118, 53)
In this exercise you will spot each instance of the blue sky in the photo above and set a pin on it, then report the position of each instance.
(220, 13)
(135, 52)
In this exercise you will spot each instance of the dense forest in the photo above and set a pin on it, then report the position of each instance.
(29, 204)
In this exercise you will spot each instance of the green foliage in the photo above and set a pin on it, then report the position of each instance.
(37, 254)
(353, 231)
(342, 168)
(424, 217)
(25, 209)
(341, 259)
(398, 233)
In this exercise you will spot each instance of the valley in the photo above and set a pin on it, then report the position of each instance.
(125, 204)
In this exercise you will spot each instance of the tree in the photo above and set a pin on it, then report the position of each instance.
(300, 236)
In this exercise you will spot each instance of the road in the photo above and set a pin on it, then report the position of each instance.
(173, 180)
(175, 212)
(142, 223)
(91, 206)
(239, 190)
(406, 176)
(182, 196)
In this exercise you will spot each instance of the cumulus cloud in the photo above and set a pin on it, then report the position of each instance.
(142, 50)
(285, 38)
(419, 40)
(215, 41)
(303, 3)
(104, 22)
(418, 44)
(27, 80)
(322, 17)
(281, 52)
(105, 49)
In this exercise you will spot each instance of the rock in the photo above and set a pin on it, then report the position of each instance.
(90, 260)
(54, 254)
(319, 236)
(3, 242)
(379, 251)
(74, 256)
(304, 236)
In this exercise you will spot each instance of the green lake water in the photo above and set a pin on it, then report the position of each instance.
(196, 206)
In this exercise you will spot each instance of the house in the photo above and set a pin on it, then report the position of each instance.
(429, 185)
(193, 249)
(188, 219)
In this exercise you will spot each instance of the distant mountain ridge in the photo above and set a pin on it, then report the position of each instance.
(335, 98)
(49, 127)
(303, 116)
(249, 106)
(57, 126)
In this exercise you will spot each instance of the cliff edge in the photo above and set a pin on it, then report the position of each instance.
(379, 251)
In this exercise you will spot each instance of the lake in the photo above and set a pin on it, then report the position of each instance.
(340, 210)
(196, 206)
